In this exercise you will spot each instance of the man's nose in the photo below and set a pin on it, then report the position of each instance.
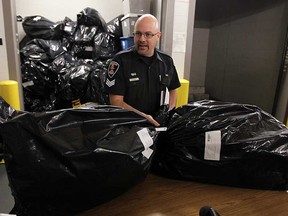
(142, 37)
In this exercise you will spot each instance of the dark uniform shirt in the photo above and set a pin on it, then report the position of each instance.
(141, 79)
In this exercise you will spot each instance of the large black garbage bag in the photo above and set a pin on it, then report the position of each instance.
(63, 62)
(89, 23)
(41, 50)
(40, 27)
(33, 52)
(73, 84)
(38, 103)
(39, 58)
(66, 161)
(91, 17)
(114, 26)
(84, 35)
(106, 45)
(224, 143)
(95, 91)
(38, 79)
(7, 112)
(83, 83)
(39, 84)
(69, 26)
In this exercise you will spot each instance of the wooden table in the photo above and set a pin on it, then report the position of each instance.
(158, 196)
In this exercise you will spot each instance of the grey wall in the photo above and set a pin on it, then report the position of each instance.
(244, 49)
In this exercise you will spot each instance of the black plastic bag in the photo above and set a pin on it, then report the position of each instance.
(83, 41)
(114, 26)
(39, 72)
(73, 84)
(83, 82)
(38, 103)
(67, 161)
(163, 115)
(41, 27)
(33, 52)
(95, 91)
(84, 35)
(224, 143)
(64, 61)
(38, 79)
(89, 23)
(106, 45)
(42, 50)
(69, 26)
(91, 17)
(7, 113)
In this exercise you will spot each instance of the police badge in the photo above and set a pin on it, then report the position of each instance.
(113, 68)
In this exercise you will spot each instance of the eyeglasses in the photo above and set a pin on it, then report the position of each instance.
(147, 35)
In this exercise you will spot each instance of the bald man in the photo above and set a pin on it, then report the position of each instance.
(143, 78)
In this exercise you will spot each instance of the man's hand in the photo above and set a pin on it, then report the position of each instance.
(152, 120)
(118, 100)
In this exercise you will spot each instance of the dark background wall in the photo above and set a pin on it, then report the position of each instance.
(244, 51)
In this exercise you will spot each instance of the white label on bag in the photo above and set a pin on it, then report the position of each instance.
(67, 28)
(147, 153)
(145, 138)
(212, 145)
(147, 141)
(27, 84)
(159, 129)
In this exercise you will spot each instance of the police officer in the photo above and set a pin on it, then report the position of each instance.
(143, 78)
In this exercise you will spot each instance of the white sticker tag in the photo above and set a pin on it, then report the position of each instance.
(27, 84)
(147, 153)
(212, 145)
(145, 138)
(88, 48)
(159, 129)
(67, 28)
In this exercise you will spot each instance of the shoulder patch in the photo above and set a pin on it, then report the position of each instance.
(113, 68)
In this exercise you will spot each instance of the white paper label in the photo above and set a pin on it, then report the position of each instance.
(88, 48)
(212, 145)
(147, 141)
(27, 84)
(145, 138)
(67, 28)
(159, 129)
(147, 153)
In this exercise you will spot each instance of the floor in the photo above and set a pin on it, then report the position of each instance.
(158, 196)
(6, 199)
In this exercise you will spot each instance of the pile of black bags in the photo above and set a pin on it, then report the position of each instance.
(67, 60)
